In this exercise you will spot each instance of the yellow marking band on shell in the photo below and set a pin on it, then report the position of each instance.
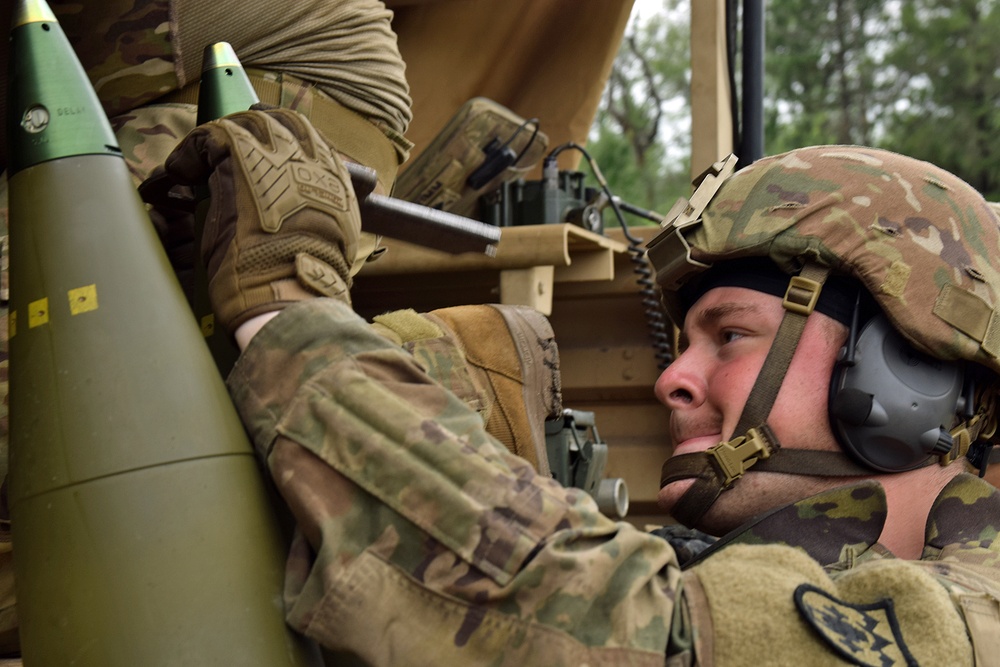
(38, 313)
(207, 325)
(82, 299)
(32, 11)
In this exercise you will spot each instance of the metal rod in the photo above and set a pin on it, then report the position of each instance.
(418, 224)
(752, 147)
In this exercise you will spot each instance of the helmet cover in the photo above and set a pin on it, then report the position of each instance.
(924, 243)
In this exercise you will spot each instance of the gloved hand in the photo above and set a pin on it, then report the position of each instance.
(282, 224)
(688, 543)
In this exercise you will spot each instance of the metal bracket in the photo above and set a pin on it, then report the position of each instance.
(688, 211)
(669, 247)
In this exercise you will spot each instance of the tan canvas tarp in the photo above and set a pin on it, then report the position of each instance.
(540, 58)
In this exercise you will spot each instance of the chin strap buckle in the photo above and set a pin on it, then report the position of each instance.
(735, 457)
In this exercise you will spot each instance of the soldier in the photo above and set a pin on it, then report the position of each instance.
(422, 540)
(879, 396)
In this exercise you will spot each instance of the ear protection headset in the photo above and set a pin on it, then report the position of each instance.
(891, 406)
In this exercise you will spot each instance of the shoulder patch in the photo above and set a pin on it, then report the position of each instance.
(864, 634)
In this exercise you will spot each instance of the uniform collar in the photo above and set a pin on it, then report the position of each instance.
(835, 527)
(840, 527)
(964, 521)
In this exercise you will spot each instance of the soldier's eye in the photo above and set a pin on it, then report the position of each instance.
(729, 335)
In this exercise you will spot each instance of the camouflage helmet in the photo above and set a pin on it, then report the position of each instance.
(923, 242)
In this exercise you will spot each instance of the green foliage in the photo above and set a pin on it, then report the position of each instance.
(949, 55)
(654, 187)
(917, 77)
(820, 72)
(647, 93)
(920, 77)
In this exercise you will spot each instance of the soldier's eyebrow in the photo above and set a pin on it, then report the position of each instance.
(711, 316)
(717, 312)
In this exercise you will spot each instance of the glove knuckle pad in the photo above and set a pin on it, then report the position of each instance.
(285, 181)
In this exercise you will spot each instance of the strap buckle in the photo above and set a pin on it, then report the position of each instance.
(735, 457)
(801, 295)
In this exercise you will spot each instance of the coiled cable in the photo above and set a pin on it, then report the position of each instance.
(660, 328)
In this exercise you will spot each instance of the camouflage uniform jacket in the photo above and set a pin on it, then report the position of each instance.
(839, 530)
(421, 540)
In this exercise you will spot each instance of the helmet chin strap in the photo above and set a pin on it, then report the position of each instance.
(760, 448)
(720, 466)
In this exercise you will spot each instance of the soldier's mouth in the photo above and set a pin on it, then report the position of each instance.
(691, 444)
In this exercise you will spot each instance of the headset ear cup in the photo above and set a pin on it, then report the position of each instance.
(892, 408)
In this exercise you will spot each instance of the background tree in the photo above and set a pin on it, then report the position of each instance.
(947, 56)
(821, 72)
(917, 77)
(641, 137)
(920, 77)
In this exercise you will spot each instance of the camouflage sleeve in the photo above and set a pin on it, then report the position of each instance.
(773, 604)
(347, 48)
(136, 50)
(420, 538)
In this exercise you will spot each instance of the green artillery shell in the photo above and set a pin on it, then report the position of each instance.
(142, 529)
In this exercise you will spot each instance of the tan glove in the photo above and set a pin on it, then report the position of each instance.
(282, 224)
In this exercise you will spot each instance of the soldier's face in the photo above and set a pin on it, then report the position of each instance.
(726, 337)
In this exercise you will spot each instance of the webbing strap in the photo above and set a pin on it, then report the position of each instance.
(799, 300)
(812, 462)
(713, 473)
(706, 488)
(684, 466)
